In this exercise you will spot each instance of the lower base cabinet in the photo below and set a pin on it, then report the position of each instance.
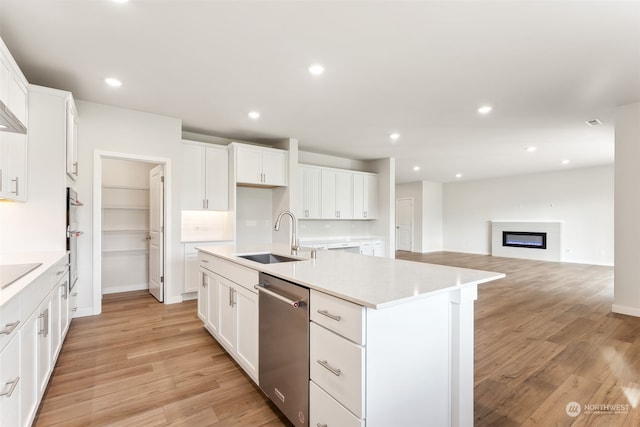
(28, 358)
(228, 307)
(324, 410)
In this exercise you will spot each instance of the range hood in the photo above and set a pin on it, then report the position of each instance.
(9, 122)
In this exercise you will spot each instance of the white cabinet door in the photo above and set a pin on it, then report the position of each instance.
(203, 296)
(274, 164)
(205, 178)
(216, 179)
(13, 166)
(371, 196)
(72, 140)
(5, 75)
(228, 316)
(365, 196)
(10, 383)
(261, 166)
(191, 273)
(64, 307)
(213, 317)
(311, 192)
(249, 166)
(18, 99)
(336, 194)
(29, 340)
(54, 325)
(44, 345)
(193, 177)
(343, 192)
(247, 345)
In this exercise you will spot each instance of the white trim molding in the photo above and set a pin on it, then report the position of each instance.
(629, 311)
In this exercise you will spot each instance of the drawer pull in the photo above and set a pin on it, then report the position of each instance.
(321, 425)
(9, 327)
(205, 261)
(14, 384)
(329, 315)
(331, 369)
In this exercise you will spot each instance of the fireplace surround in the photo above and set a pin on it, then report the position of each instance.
(539, 240)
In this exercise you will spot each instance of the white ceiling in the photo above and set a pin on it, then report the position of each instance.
(419, 68)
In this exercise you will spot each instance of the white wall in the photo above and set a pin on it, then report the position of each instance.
(626, 297)
(581, 198)
(117, 130)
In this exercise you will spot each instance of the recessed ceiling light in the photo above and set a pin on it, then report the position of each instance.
(254, 115)
(316, 69)
(394, 136)
(113, 82)
(530, 149)
(120, 1)
(485, 109)
(458, 175)
(593, 122)
(416, 168)
(565, 162)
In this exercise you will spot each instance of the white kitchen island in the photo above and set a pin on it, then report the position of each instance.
(403, 340)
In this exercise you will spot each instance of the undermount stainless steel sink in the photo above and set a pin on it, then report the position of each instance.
(268, 258)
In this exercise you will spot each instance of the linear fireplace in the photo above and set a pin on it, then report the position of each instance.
(524, 239)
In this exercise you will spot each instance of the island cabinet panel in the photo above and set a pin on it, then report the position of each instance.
(10, 384)
(228, 306)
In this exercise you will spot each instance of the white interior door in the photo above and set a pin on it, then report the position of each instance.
(404, 224)
(156, 232)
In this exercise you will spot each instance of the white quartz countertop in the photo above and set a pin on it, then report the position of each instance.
(369, 281)
(47, 259)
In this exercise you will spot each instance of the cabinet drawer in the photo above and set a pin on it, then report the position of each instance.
(326, 411)
(9, 320)
(337, 365)
(207, 261)
(342, 317)
(245, 277)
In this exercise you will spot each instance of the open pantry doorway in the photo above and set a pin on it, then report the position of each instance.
(128, 248)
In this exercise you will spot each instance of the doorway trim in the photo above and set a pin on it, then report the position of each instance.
(411, 246)
(98, 156)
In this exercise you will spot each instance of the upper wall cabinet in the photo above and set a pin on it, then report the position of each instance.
(328, 193)
(72, 139)
(13, 94)
(310, 191)
(336, 194)
(365, 196)
(260, 166)
(205, 175)
(13, 127)
(13, 166)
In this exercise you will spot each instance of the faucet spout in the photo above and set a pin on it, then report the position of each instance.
(294, 236)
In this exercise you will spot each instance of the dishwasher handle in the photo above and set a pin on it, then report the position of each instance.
(261, 287)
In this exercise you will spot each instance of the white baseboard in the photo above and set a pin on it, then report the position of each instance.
(189, 296)
(173, 300)
(127, 288)
(629, 311)
(83, 312)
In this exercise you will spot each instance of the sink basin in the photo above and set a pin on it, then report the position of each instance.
(268, 258)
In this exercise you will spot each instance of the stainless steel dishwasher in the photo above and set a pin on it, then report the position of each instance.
(284, 346)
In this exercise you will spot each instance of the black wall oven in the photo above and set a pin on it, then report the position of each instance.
(72, 235)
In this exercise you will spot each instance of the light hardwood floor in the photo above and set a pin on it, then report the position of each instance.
(545, 336)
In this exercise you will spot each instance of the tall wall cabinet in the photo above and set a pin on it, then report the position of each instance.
(13, 146)
(125, 225)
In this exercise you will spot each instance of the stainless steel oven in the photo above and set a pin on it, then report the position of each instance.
(72, 235)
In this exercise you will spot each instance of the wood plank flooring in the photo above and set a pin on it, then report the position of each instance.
(545, 336)
(142, 363)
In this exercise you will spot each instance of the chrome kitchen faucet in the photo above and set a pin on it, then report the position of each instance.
(294, 237)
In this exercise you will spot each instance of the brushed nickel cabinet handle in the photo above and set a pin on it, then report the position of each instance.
(17, 185)
(75, 168)
(321, 425)
(9, 327)
(14, 384)
(329, 315)
(334, 371)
